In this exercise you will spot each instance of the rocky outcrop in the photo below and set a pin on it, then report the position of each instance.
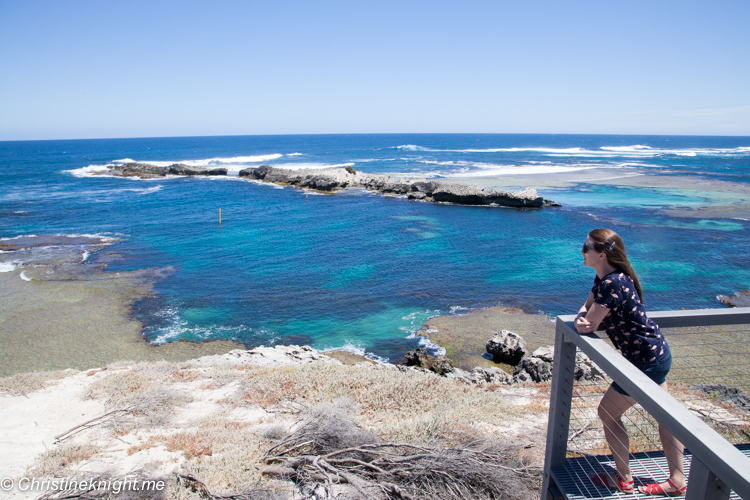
(419, 358)
(415, 189)
(480, 375)
(182, 169)
(280, 355)
(538, 367)
(506, 347)
(146, 170)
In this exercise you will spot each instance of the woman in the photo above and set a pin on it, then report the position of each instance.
(615, 304)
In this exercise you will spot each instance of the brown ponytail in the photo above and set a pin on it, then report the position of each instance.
(609, 242)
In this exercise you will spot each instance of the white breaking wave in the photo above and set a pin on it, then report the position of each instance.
(234, 163)
(359, 351)
(315, 166)
(6, 267)
(24, 277)
(89, 171)
(634, 151)
(431, 347)
(412, 147)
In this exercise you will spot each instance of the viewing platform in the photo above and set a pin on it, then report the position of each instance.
(707, 409)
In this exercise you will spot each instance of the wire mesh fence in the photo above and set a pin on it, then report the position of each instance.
(710, 376)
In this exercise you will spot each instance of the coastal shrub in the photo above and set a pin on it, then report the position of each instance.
(140, 391)
(398, 405)
(23, 384)
(61, 459)
(224, 453)
(350, 169)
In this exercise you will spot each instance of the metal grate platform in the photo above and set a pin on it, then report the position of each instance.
(646, 467)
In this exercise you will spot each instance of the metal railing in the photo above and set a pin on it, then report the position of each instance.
(717, 466)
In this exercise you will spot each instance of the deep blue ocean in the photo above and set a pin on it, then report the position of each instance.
(364, 271)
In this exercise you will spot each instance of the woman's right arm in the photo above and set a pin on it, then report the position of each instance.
(584, 309)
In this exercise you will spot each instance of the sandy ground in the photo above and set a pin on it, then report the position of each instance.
(32, 423)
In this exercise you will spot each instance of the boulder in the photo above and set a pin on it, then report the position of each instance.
(538, 367)
(419, 357)
(416, 195)
(506, 347)
(441, 365)
(533, 369)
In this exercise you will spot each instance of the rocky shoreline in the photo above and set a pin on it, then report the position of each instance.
(333, 179)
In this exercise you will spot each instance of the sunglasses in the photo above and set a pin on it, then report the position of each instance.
(586, 248)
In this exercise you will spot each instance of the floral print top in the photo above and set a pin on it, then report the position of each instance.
(627, 325)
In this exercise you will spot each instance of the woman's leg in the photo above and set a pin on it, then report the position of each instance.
(611, 408)
(673, 450)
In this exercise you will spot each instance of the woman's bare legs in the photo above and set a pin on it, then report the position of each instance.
(673, 450)
(611, 408)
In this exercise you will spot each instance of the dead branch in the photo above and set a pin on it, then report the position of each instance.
(198, 483)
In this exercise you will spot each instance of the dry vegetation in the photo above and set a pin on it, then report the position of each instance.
(23, 384)
(255, 413)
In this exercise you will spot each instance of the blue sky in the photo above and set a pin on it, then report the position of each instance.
(91, 69)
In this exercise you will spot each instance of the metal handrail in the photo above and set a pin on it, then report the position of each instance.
(716, 465)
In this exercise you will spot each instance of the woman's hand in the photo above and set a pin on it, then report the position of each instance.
(594, 316)
(584, 326)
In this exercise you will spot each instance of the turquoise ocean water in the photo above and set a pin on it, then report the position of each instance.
(363, 271)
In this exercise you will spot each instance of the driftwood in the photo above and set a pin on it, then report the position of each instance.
(111, 417)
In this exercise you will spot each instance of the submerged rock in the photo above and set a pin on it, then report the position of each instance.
(739, 299)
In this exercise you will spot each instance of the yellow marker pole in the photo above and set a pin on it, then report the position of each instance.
(219, 217)
(305, 194)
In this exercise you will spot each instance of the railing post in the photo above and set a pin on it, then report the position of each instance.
(561, 395)
(704, 485)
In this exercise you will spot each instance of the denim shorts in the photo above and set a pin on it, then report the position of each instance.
(656, 372)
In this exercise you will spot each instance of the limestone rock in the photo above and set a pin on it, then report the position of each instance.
(538, 367)
(182, 169)
(418, 357)
(506, 347)
(140, 170)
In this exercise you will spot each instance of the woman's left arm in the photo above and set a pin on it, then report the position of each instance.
(595, 314)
